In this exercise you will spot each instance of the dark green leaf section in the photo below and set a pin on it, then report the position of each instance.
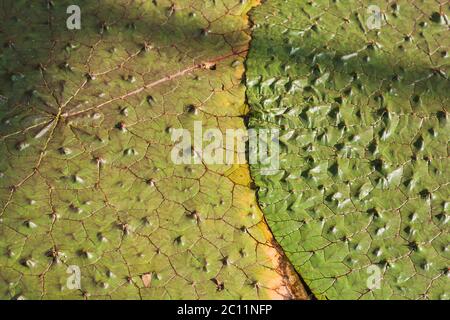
(364, 170)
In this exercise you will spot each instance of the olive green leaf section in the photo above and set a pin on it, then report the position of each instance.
(363, 185)
(86, 178)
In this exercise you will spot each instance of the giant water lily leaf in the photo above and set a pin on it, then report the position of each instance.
(91, 203)
(361, 95)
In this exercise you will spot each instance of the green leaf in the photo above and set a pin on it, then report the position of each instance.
(367, 125)
(86, 177)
